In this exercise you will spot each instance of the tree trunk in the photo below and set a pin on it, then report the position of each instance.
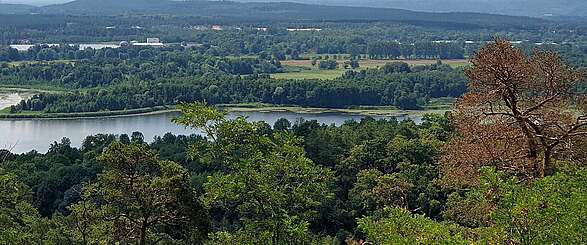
(547, 166)
(143, 234)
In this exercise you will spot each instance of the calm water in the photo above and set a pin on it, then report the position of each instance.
(25, 135)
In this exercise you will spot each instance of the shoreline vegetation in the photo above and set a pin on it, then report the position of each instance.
(437, 106)
(387, 111)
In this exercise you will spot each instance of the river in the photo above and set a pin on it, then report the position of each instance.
(24, 135)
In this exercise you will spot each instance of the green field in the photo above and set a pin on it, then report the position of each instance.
(19, 63)
(310, 74)
(303, 69)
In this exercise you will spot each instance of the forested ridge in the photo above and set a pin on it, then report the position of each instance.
(256, 11)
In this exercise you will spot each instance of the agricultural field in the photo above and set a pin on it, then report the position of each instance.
(19, 63)
(310, 73)
(369, 63)
(303, 69)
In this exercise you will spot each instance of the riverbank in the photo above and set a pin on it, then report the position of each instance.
(372, 111)
(77, 115)
(362, 111)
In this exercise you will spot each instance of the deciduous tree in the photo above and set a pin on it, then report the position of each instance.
(266, 180)
(141, 198)
(518, 116)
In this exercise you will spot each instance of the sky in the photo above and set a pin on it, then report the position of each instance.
(35, 2)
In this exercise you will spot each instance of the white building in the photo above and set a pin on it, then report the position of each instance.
(153, 40)
(26, 47)
(304, 29)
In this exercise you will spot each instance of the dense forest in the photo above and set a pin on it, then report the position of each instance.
(506, 164)
(234, 62)
(498, 169)
(132, 78)
(113, 79)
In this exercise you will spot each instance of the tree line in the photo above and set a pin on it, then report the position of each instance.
(409, 88)
(94, 68)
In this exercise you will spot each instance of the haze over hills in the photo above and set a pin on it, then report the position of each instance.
(273, 11)
(16, 8)
(508, 7)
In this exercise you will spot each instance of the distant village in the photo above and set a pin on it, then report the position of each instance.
(150, 42)
(156, 42)
(25, 45)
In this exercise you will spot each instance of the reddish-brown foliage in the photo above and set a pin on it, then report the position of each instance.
(517, 116)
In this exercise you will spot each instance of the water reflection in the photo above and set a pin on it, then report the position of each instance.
(25, 135)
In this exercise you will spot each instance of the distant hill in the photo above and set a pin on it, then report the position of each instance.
(283, 11)
(536, 8)
(16, 9)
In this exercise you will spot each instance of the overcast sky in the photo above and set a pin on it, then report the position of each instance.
(36, 2)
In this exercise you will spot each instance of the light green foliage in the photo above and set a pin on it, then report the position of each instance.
(244, 237)
(552, 210)
(375, 190)
(438, 126)
(398, 226)
(474, 208)
(362, 193)
(87, 223)
(199, 116)
(18, 218)
(392, 190)
(267, 180)
(309, 74)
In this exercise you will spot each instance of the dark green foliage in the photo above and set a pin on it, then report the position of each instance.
(328, 64)
(385, 189)
(295, 183)
(282, 124)
(407, 90)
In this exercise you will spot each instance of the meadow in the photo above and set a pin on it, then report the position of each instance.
(303, 69)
